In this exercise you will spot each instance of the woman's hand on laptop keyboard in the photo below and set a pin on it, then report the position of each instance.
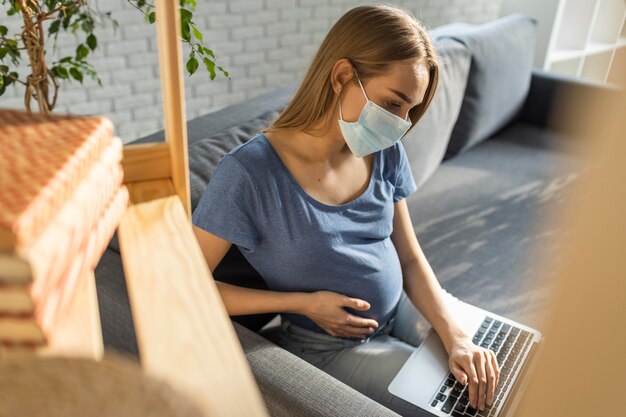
(478, 366)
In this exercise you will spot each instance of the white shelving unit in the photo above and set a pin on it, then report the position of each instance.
(581, 38)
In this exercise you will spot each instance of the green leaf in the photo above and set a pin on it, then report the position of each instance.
(3, 52)
(76, 74)
(197, 33)
(60, 72)
(184, 28)
(4, 69)
(92, 41)
(185, 15)
(192, 65)
(210, 66)
(3, 30)
(81, 51)
(54, 27)
(87, 26)
(190, 3)
(225, 72)
(1, 81)
(151, 17)
(15, 56)
(9, 80)
(208, 51)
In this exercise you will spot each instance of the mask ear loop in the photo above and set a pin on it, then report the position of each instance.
(362, 89)
(340, 115)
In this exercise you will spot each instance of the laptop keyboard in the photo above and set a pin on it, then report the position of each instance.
(509, 344)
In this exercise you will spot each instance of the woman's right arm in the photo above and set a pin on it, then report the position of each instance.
(326, 308)
(240, 300)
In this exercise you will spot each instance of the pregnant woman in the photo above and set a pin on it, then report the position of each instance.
(317, 204)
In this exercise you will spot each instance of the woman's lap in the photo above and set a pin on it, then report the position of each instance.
(368, 366)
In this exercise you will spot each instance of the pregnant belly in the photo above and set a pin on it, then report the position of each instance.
(368, 270)
(377, 280)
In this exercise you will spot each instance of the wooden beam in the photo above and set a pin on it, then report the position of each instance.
(183, 330)
(144, 191)
(146, 161)
(173, 91)
(78, 331)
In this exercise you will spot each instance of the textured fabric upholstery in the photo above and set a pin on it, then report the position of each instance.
(502, 53)
(426, 142)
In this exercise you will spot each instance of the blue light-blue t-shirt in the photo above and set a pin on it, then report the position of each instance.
(298, 243)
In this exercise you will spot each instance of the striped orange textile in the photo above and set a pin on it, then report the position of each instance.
(43, 158)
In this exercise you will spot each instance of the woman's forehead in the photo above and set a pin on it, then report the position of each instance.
(411, 79)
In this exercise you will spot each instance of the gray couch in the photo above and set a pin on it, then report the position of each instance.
(490, 162)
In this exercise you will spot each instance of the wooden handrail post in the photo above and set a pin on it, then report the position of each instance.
(173, 90)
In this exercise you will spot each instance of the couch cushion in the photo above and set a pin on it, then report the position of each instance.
(502, 55)
(118, 330)
(292, 386)
(478, 219)
(425, 143)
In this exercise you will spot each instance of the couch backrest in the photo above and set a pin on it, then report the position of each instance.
(426, 142)
(502, 52)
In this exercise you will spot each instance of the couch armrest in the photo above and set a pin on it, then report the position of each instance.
(292, 386)
(548, 89)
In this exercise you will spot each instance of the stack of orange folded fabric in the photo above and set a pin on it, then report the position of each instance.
(61, 199)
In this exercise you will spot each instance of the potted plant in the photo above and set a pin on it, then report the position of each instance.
(45, 19)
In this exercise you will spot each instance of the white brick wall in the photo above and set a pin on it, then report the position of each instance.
(264, 44)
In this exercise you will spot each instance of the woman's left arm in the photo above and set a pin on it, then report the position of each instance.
(424, 290)
(419, 280)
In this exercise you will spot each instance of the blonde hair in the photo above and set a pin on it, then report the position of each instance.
(371, 37)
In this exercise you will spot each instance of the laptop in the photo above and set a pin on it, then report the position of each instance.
(425, 378)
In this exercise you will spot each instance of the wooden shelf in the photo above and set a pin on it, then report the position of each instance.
(618, 66)
(184, 333)
(191, 343)
(579, 38)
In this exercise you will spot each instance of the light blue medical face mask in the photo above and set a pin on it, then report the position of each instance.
(376, 128)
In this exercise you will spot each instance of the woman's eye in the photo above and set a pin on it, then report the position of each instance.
(392, 104)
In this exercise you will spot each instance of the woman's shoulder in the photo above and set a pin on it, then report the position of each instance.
(390, 157)
(252, 155)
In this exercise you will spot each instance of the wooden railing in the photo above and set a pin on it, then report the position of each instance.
(184, 334)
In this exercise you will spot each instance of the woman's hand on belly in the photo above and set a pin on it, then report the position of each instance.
(326, 308)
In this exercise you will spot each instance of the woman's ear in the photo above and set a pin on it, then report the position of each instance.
(341, 74)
